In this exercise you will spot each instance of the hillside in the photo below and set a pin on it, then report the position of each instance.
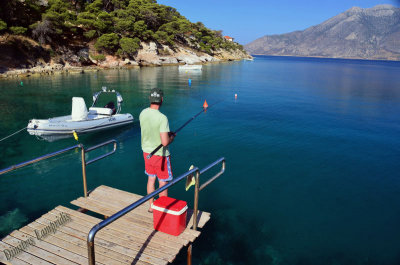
(372, 33)
(37, 33)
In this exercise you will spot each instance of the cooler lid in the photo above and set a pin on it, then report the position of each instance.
(170, 204)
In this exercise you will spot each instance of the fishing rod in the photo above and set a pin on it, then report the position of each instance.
(205, 107)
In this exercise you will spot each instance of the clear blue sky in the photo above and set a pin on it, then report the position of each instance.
(249, 20)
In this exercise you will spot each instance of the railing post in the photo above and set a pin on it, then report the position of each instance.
(84, 171)
(196, 200)
(195, 210)
(91, 258)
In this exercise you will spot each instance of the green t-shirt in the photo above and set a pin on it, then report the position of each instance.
(152, 123)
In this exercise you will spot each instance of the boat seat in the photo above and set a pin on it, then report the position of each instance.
(100, 111)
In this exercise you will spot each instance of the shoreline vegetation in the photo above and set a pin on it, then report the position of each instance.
(40, 37)
(149, 57)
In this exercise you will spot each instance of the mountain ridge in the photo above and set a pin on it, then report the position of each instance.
(358, 33)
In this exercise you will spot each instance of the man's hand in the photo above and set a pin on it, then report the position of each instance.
(171, 136)
(167, 138)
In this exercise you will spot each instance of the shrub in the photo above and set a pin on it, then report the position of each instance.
(98, 57)
(3, 25)
(18, 30)
(129, 46)
(107, 42)
(90, 34)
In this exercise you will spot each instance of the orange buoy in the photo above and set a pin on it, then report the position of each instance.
(235, 96)
(205, 105)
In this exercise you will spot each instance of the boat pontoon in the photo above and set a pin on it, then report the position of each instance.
(187, 67)
(81, 120)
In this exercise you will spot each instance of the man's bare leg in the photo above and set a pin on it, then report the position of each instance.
(161, 184)
(150, 188)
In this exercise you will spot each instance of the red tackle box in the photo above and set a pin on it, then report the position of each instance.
(169, 215)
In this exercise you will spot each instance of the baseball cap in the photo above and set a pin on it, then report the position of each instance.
(155, 95)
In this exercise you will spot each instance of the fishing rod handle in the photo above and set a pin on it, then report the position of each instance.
(158, 148)
(154, 151)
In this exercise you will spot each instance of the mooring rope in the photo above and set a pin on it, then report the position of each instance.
(13, 134)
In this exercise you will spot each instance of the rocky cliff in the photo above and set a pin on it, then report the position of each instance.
(22, 56)
(372, 33)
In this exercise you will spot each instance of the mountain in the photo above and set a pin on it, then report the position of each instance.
(371, 33)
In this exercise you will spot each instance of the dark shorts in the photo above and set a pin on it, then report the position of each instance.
(158, 166)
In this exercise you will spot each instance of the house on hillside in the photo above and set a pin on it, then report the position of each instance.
(227, 38)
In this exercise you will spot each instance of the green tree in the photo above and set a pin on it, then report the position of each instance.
(3, 25)
(90, 34)
(18, 30)
(107, 42)
(139, 28)
(60, 15)
(129, 46)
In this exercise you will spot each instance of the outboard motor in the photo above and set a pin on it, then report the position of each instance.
(111, 105)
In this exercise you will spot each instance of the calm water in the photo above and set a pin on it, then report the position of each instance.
(312, 149)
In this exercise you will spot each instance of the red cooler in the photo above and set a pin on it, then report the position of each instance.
(169, 215)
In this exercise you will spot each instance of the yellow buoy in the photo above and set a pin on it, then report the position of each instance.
(75, 135)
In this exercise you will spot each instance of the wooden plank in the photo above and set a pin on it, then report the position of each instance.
(103, 255)
(14, 260)
(143, 246)
(82, 252)
(43, 254)
(158, 237)
(147, 220)
(51, 248)
(132, 222)
(99, 209)
(129, 240)
(131, 248)
(113, 243)
(160, 245)
(128, 198)
(188, 234)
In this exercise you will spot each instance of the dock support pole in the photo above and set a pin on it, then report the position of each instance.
(84, 172)
(189, 254)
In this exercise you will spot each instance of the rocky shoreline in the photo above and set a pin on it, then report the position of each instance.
(149, 55)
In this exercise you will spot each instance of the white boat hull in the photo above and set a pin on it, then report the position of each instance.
(190, 67)
(65, 126)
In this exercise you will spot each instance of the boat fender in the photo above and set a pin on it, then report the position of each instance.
(75, 135)
(190, 180)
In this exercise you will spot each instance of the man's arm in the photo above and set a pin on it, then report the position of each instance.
(167, 138)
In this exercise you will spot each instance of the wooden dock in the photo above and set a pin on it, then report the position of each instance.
(129, 240)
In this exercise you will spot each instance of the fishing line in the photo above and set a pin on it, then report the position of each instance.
(205, 107)
(13, 134)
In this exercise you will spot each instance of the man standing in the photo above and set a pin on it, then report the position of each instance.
(155, 131)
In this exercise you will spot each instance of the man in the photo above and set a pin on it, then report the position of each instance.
(155, 131)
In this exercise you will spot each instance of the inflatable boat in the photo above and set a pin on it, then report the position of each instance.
(81, 120)
(190, 67)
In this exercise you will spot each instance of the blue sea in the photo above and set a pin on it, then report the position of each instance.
(312, 149)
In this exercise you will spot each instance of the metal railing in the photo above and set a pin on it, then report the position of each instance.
(84, 163)
(35, 160)
(83, 156)
(116, 216)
